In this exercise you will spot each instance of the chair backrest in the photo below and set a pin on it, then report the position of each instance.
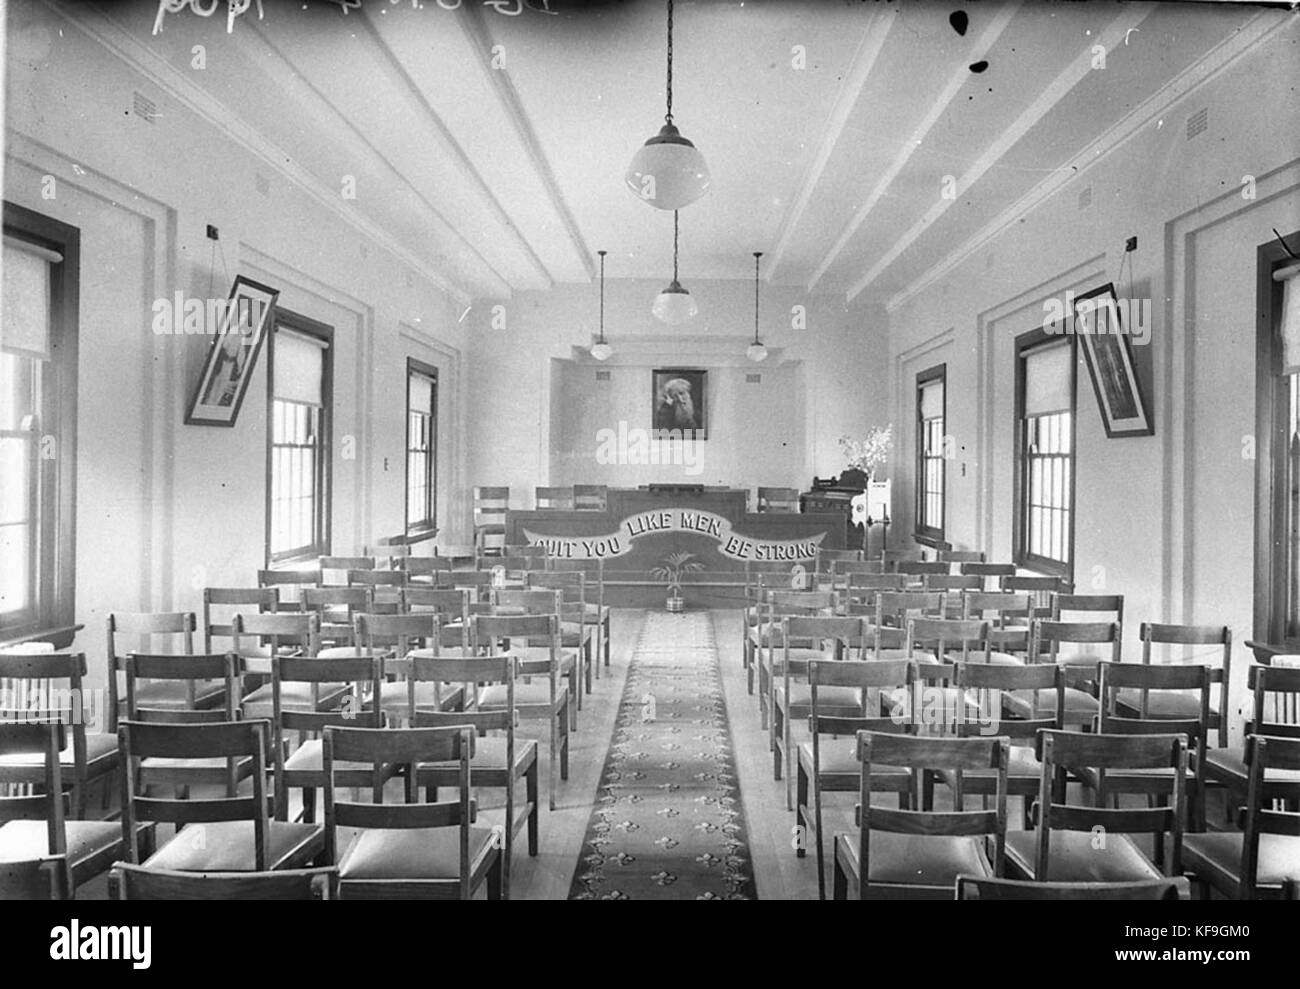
(489, 631)
(496, 668)
(981, 888)
(230, 740)
(864, 587)
(881, 682)
(46, 877)
(48, 686)
(1047, 636)
(378, 578)
(436, 569)
(1146, 679)
(541, 601)
(553, 499)
(334, 569)
(824, 559)
(46, 739)
(245, 599)
(301, 629)
(394, 750)
(590, 497)
(946, 635)
(490, 504)
(1261, 816)
(919, 754)
(892, 557)
(189, 670)
(1089, 604)
(135, 882)
(571, 583)
(399, 634)
(360, 707)
(1041, 587)
(791, 602)
(950, 582)
(1219, 658)
(1063, 751)
(845, 568)
(778, 499)
(894, 607)
(288, 584)
(338, 608)
(987, 569)
(1276, 696)
(923, 568)
(478, 582)
(1002, 608)
(983, 686)
(961, 555)
(143, 627)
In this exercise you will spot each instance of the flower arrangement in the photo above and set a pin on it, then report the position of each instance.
(870, 454)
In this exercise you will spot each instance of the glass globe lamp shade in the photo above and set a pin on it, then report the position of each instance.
(601, 350)
(756, 352)
(674, 305)
(668, 172)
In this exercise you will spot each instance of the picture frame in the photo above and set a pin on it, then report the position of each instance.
(679, 403)
(233, 356)
(1108, 351)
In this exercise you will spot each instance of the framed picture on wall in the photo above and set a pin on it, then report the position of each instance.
(233, 355)
(1108, 350)
(679, 397)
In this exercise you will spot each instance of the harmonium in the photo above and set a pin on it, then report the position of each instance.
(836, 494)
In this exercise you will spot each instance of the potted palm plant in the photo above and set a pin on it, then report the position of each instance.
(671, 570)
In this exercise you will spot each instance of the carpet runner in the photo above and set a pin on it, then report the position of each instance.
(668, 823)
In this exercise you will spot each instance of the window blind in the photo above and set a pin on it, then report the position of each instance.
(1291, 321)
(25, 322)
(299, 367)
(421, 394)
(1047, 379)
(932, 400)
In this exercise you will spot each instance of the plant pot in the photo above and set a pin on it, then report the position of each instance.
(676, 605)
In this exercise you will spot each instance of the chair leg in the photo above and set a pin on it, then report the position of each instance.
(564, 747)
(840, 887)
(606, 641)
(800, 806)
(778, 717)
(789, 764)
(554, 753)
(496, 886)
(530, 783)
(308, 805)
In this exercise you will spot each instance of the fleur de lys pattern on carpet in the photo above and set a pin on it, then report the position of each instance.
(668, 822)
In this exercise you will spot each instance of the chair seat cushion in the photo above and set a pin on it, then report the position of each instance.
(1220, 851)
(839, 757)
(309, 757)
(918, 860)
(593, 612)
(920, 655)
(169, 695)
(294, 696)
(1078, 703)
(1020, 765)
(100, 748)
(490, 754)
(1166, 704)
(537, 692)
(416, 853)
(21, 840)
(243, 766)
(228, 846)
(845, 701)
(1078, 857)
(428, 695)
(541, 654)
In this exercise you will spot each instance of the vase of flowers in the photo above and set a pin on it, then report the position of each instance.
(870, 454)
(670, 571)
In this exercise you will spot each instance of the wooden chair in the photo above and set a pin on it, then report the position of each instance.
(490, 507)
(575, 641)
(410, 850)
(135, 882)
(477, 582)
(954, 587)
(824, 561)
(1011, 615)
(960, 555)
(975, 888)
(918, 854)
(831, 766)
(594, 573)
(337, 609)
(819, 638)
(34, 829)
(288, 585)
(1041, 587)
(499, 762)
(1257, 862)
(759, 579)
(581, 609)
(360, 705)
(553, 499)
(231, 834)
(375, 579)
(893, 611)
(146, 628)
(591, 497)
(1075, 843)
(1185, 705)
(541, 696)
(334, 569)
(44, 878)
(400, 638)
(430, 571)
(785, 500)
(182, 773)
(247, 600)
(1275, 690)
(862, 587)
(891, 558)
(988, 572)
(1045, 640)
(984, 685)
(766, 638)
(52, 682)
(294, 634)
(1145, 684)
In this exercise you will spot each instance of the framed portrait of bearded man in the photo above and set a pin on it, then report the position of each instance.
(680, 403)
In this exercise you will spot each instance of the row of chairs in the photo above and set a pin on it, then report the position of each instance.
(499, 681)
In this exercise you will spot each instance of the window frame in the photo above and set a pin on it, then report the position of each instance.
(1021, 555)
(428, 526)
(56, 519)
(298, 323)
(1272, 415)
(922, 532)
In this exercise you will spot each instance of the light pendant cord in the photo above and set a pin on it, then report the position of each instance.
(602, 295)
(669, 116)
(757, 255)
(674, 246)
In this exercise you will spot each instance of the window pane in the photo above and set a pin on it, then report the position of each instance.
(16, 576)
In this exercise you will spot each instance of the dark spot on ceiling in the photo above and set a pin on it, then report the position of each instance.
(959, 20)
(979, 66)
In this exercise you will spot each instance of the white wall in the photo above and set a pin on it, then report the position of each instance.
(164, 509)
(1165, 520)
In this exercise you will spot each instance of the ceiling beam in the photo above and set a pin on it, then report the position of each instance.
(1110, 37)
(476, 32)
(878, 27)
(979, 47)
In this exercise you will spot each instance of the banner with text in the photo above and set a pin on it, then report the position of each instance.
(730, 543)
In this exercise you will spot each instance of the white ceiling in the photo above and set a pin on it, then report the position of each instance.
(508, 176)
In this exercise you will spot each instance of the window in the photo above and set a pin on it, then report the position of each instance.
(1277, 483)
(298, 469)
(38, 388)
(931, 409)
(421, 447)
(1044, 511)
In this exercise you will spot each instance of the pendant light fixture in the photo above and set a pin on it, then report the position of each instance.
(674, 305)
(756, 351)
(668, 172)
(600, 349)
